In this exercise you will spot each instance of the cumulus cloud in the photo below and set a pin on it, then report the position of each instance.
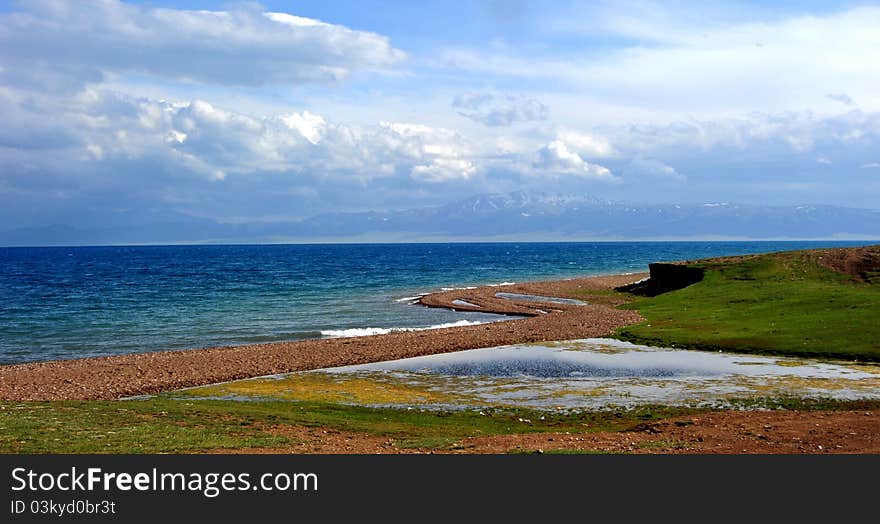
(556, 159)
(62, 45)
(591, 146)
(444, 169)
(197, 139)
(71, 143)
(651, 167)
(499, 110)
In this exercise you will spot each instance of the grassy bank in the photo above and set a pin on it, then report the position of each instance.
(781, 303)
(163, 425)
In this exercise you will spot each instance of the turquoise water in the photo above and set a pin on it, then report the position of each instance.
(70, 302)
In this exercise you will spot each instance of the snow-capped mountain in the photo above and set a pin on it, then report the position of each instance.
(518, 215)
(569, 216)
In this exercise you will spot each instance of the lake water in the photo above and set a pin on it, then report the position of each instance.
(70, 302)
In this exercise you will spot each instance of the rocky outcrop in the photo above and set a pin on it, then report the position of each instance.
(665, 277)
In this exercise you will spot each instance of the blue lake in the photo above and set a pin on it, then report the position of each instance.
(70, 302)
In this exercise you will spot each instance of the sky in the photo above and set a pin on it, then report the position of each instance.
(135, 112)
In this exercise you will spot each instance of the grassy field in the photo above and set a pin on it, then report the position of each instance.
(164, 425)
(780, 303)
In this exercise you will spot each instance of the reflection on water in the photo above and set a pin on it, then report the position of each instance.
(541, 298)
(590, 373)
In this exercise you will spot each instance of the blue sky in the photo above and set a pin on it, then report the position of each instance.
(135, 112)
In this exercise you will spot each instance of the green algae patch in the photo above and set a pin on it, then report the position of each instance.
(789, 363)
(325, 387)
(866, 368)
(805, 386)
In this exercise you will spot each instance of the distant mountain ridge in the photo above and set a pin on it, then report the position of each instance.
(512, 216)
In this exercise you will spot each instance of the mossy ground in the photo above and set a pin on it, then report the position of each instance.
(780, 303)
(164, 425)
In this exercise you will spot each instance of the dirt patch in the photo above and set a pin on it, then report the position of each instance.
(316, 440)
(724, 432)
(728, 432)
(862, 264)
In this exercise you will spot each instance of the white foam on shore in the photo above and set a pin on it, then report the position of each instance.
(370, 331)
(459, 302)
(408, 299)
(502, 284)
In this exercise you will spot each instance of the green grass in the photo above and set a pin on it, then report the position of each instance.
(780, 303)
(164, 425)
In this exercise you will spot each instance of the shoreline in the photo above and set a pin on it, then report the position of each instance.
(118, 376)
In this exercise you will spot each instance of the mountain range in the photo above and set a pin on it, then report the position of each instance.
(519, 216)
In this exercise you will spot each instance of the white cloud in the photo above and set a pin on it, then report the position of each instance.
(555, 159)
(590, 146)
(310, 126)
(871, 165)
(775, 134)
(216, 143)
(444, 169)
(499, 110)
(651, 167)
(61, 45)
(707, 69)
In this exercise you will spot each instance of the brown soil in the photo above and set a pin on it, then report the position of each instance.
(730, 432)
(128, 375)
(716, 432)
(860, 263)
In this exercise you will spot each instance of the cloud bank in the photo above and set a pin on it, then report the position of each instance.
(117, 112)
(499, 110)
(63, 45)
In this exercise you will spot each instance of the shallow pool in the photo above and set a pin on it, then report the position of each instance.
(578, 374)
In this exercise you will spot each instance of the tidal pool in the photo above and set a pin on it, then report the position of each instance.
(577, 374)
(541, 298)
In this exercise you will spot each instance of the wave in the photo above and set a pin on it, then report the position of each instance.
(370, 331)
